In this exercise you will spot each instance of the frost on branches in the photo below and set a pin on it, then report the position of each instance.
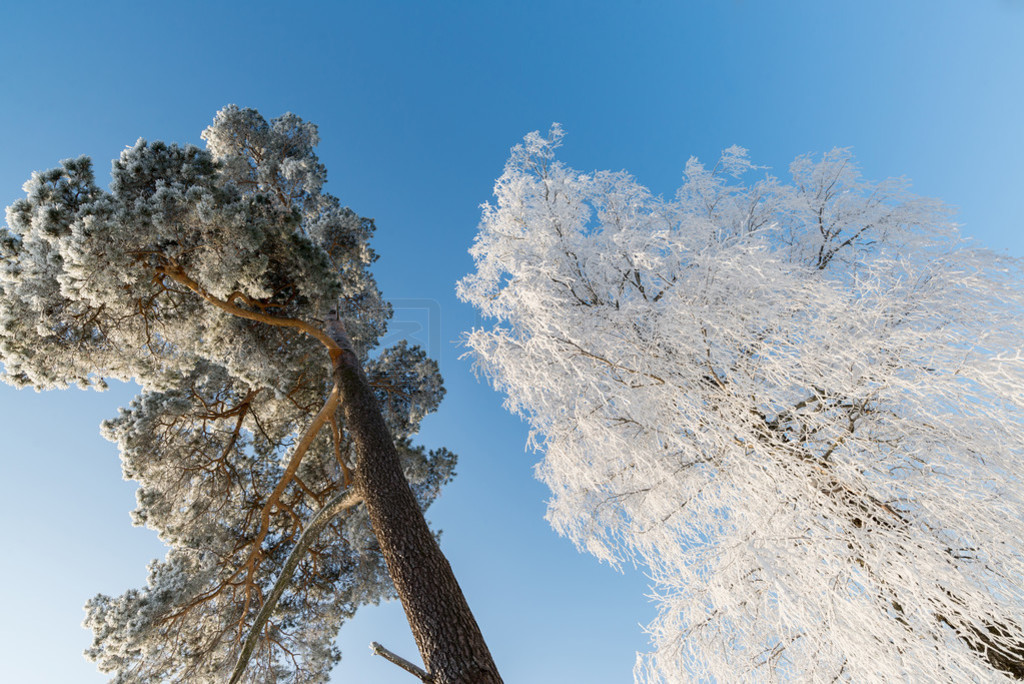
(799, 406)
(204, 276)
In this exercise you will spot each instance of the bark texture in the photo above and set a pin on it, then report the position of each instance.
(449, 640)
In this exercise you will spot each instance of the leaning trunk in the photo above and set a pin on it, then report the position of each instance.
(449, 640)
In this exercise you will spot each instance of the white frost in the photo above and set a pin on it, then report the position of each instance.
(797, 406)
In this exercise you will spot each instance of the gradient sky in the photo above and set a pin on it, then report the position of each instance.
(418, 104)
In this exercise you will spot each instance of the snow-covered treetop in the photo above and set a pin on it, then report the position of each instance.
(102, 284)
(796, 404)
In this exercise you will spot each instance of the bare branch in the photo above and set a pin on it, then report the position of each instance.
(401, 662)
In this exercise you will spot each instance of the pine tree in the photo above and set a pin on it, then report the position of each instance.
(273, 452)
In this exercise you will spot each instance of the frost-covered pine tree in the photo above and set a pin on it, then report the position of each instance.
(272, 451)
(799, 406)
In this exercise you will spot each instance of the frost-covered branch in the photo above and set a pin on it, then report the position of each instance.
(178, 275)
(312, 530)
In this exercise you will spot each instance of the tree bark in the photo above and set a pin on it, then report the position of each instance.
(446, 633)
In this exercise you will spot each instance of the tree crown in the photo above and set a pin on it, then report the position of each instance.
(796, 404)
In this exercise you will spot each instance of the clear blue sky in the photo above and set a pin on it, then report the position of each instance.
(418, 104)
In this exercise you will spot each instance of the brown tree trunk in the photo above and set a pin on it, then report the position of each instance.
(449, 640)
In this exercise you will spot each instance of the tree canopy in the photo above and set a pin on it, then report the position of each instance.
(797, 405)
(210, 277)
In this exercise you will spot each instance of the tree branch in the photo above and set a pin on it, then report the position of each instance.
(177, 274)
(401, 662)
(309, 535)
(330, 406)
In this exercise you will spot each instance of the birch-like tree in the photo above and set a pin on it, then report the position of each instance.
(798, 406)
(273, 452)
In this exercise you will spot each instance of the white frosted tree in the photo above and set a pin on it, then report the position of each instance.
(798, 406)
(273, 452)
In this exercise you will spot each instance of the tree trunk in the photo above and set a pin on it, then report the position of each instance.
(449, 640)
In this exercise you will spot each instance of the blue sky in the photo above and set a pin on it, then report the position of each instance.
(418, 105)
